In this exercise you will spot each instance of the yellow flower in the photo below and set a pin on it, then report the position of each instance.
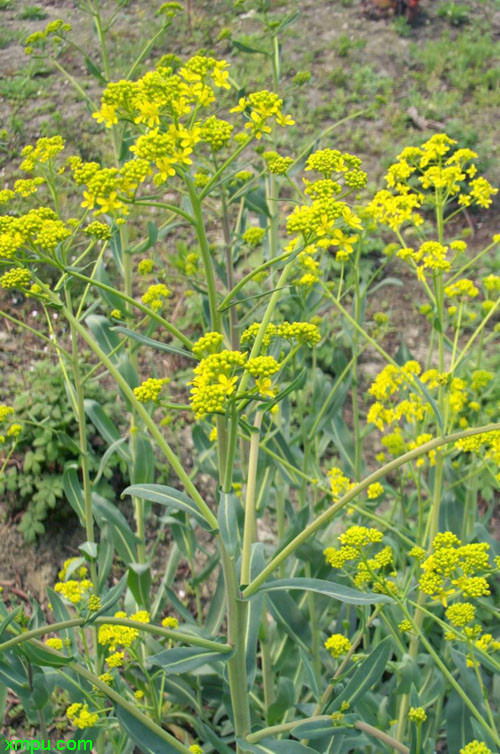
(338, 645)
(107, 115)
(170, 622)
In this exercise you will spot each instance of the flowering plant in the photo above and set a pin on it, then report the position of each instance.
(318, 632)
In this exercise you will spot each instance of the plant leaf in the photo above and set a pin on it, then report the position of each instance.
(146, 739)
(152, 343)
(367, 673)
(328, 588)
(168, 496)
(185, 659)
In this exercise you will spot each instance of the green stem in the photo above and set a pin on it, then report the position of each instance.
(205, 252)
(178, 636)
(250, 527)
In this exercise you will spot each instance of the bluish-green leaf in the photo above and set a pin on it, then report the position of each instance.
(285, 610)
(270, 746)
(100, 328)
(10, 618)
(106, 427)
(40, 655)
(228, 521)
(147, 740)
(168, 496)
(329, 588)
(185, 659)
(139, 582)
(367, 673)
(156, 344)
(73, 492)
(123, 537)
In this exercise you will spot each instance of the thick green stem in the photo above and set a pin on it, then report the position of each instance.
(178, 636)
(205, 252)
(250, 528)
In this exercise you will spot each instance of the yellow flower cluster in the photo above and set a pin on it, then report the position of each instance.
(262, 107)
(294, 332)
(475, 747)
(16, 277)
(417, 715)
(208, 343)
(374, 491)
(462, 288)
(353, 541)
(81, 571)
(327, 221)
(80, 717)
(54, 643)
(451, 569)
(431, 255)
(214, 381)
(195, 749)
(262, 366)
(170, 622)
(43, 152)
(155, 296)
(150, 389)
(254, 236)
(339, 482)
(56, 30)
(98, 230)
(12, 429)
(38, 229)
(395, 210)
(338, 645)
(28, 186)
(486, 443)
(111, 635)
(277, 164)
(145, 266)
(74, 591)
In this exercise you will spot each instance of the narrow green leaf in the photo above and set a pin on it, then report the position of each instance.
(244, 47)
(11, 617)
(94, 70)
(100, 328)
(73, 492)
(185, 659)
(143, 470)
(147, 740)
(40, 655)
(111, 300)
(367, 673)
(228, 521)
(156, 344)
(431, 401)
(328, 588)
(106, 427)
(123, 537)
(139, 582)
(270, 746)
(168, 496)
(285, 610)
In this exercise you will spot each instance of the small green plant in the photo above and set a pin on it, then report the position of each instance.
(32, 13)
(402, 27)
(6, 4)
(456, 14)
(47, 446)
(345, 45)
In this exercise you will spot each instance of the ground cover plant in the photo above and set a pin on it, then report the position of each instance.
(334, 521)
